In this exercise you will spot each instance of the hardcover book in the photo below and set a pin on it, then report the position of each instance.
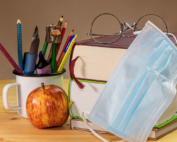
(97, 61)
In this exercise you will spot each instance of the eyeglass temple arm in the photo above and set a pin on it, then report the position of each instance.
(102, 34)
(137, 32)
(128, 26)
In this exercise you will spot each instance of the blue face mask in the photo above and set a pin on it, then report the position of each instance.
(141, 87)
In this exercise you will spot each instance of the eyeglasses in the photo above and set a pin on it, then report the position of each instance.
(123, 27)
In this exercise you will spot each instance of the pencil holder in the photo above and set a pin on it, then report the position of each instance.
(25, 83)
(53, 35)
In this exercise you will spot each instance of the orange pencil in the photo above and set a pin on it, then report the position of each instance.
(62, 35)
(61, 55)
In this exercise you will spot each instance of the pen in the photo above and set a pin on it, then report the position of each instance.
(30, 62)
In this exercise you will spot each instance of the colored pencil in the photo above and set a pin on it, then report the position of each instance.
(44, 49)
(9, 58)
(61, 55)
(66, 48)
(60, 21)
(45, 46)
(50, 53)
(62, 35)
(19, 39)
(68, 52)
(54, 57)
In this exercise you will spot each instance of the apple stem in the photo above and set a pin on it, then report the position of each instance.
(42, 84)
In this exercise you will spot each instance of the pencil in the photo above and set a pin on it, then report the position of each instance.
(57, 66)
(19, 39)
(54, 48)
(54, 57)
(68, 52)
(62, 35)
(66, 48)
(50, 53)
(45, 46)
(9, 58)
(61, 55)
(44, 49)
(60, 21)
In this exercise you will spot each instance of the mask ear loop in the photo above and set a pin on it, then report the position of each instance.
(98, 136)
(172, 36)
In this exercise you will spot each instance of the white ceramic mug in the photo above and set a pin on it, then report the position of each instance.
(25, 83)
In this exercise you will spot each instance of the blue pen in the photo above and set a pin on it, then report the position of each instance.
(30, 63)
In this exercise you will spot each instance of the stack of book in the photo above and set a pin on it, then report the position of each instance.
(93, 67)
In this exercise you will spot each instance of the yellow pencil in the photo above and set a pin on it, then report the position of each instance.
(68, 52)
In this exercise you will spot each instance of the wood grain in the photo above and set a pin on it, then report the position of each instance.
(14, 128)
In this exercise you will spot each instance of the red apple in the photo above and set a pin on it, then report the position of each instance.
(47, 106)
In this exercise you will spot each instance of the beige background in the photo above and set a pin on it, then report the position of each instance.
(78, 13)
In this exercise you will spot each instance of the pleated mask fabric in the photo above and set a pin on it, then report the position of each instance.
(141, 87)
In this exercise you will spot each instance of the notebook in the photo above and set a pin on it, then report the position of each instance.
(84, 99)
(155, 134)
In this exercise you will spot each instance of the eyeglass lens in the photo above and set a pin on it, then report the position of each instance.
(106, 26)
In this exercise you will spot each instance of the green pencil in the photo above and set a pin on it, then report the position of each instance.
(54, 57)
(44, 49)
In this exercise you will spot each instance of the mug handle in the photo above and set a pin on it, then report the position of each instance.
(5, 100)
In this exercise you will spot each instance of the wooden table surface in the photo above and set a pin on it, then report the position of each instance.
(14, 128)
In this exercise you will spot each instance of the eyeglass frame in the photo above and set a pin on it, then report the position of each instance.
(133, 27)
